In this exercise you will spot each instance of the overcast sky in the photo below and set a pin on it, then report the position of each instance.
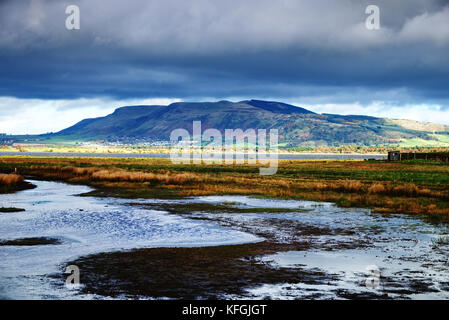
(315, 54)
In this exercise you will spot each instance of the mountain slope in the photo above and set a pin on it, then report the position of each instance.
(297, 126)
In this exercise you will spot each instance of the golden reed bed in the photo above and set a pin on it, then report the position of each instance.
(405, 187)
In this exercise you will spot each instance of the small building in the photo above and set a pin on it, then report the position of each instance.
(394, 155)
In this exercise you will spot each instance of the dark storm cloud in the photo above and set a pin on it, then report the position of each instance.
(210, 48)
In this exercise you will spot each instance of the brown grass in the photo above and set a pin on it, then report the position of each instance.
(10, 179)
(116, 175)
(348, 183)
(127, 176)
(408, 189)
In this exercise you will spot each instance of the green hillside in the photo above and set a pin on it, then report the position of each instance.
(297, 126)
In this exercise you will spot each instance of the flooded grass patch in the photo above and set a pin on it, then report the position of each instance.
(191, 207)
(11, 209)
(188, 273)
(124, 192)
(441, 240)
(34, 241)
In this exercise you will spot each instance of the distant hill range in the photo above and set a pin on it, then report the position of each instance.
(297, 126)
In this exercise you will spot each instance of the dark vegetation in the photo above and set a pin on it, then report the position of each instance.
(11, 209)
(35, 241)
(188, 273)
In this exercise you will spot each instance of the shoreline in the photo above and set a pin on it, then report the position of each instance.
(281, 156)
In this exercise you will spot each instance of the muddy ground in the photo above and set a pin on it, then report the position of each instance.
(243, 271)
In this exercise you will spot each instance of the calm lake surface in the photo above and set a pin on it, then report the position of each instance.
(402, 249)
(285, 156)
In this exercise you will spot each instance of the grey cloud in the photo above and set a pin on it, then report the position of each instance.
(199, 26)
(212, 48)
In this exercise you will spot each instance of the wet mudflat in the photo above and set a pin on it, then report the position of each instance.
(31, 268)
(311, 251)
(215, 247)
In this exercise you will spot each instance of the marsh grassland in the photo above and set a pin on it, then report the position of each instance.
(412, 187)
(315, 238)
(11, 182)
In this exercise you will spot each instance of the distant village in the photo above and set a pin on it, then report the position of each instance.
(6, 139)
(25, 141)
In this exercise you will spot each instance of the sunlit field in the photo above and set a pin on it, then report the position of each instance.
(412, 187)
